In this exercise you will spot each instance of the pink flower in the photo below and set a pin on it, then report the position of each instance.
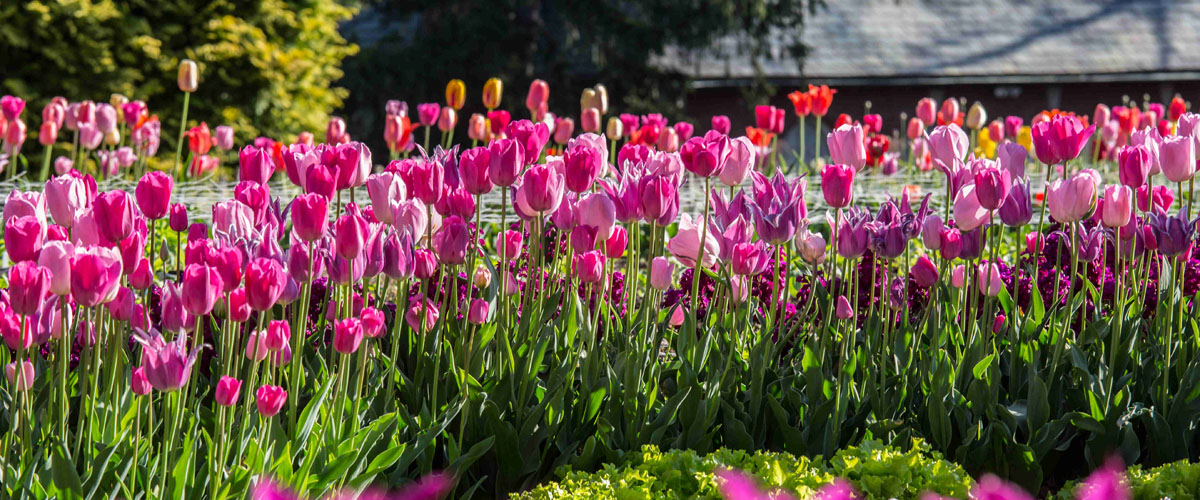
(968, 213)
(583, 163)
(847, 145)
(542, 188)
(948, 144)
(844, 310)
(271, 399)
(265, 281)
(154, 194)
(255, 165)
(925, 272)
(228, 390)
(1072, 199)
(685, 246)
(168, 364)
(347, 335)
(508, 244)
(994, 488)
(372, 322)
(589, 266)
(452, 241)
(138, 382)
(23, 237)
(310, 216)
(1117, 209)
(661, 271)
(1061, 139)
(989, 280)
(1177, 157)
(420, 308)
(837, 184)
(114, 212)
(202, 287)
(22, 380)
(706, 156)
(95, 275)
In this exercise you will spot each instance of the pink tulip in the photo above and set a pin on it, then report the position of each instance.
(598, 211)
(661, 271)
(721, 124)
(706, 156)
(994, 488)
(154, 194)
(478, 313)
(508, 244)
(1011, 157)
(589, 267)
(66, 197)
(424, 263)
(1163, 198)
(271, 399)
(847, 146)
(23, 380)
(811, 246)
(1118, 206)
(583, 163)
(350, 235)
(114, 212)
(347, 335)
(589, 120)
(202, 287)
(383, 189)
(543, 188)
(741, 162)
(452, 241)
(532, 137)
(138, 382)
(265, 281)
(421, 308)
(1061, 139)
(685, 246)
(447, 119)
(837, 185)
(23, 237)
(95, 275)
(56, 258)
(949, 111)
(948, 144)
(28, 285)
(309, 216)
(1134, 165)
(614, 246)
(227, 391)
(989, 280)
(504, 161)
(925, 272)
(659, 199)
(1072, 199)
(916, 127)
(749, 259)
(538, 95)
(958, 276)
(168, 364)
(844, 310)
(927, 110)
(1177, 157)
(992, 186)
(968, 212)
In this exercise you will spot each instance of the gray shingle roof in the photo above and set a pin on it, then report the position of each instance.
(965, 38)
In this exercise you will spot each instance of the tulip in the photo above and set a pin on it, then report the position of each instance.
(452, 241)
(188, 74)
(508, 244)
(846, 146)
(227, 391)
(347, 335)
(493, 91)
(95, 275)
(1072, 199)
(168, 365)
(583, 164)
(925, 272)
(668, 141)
(1177, 157)
(661, 273)
(505, 160)
(1017, 209)
(837, 184)
(202, 287)
(976, 117)
(989, 280)
(424, 263)
(420, 307)
(948, 144)
(255, 164)
(1173, 234)
(309, 216)
(844, 310)
(22, 381)
(478, 312)
(114, 215)
(24, 237)
(56, 258)
(265, 281)
(1163, 198)
(447, 120)
(589, 266)
(741, 161)
(536, 98)
(154, 194)
(950, 242)
(1061, 139)
(969, 213)
(926, 110)
(1011, 157)
(589, 121)
(138, 382)
(271, 399)
(1117, 209)
(597, 210)
(686, 245)
(949, 111)
(66, 197)
(996, 131)
(811, 246)
(994, 488)
(721, 124)
(28, 285)
(750, 259)
(543, 186)
(992, 186)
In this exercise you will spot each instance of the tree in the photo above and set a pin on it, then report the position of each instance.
(267, 67)
(412, 48)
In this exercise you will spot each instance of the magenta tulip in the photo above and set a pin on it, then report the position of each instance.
(154, 194)
(265, 280)
(508, 244)
(589, 267)
(422, 314)
(452, 241)
(255, 165)
(114, 212)
(23, 238)
(543, 188)
(347, 335)
(1134, 164)
(202, 287)
(1177, 157)
(992, 186)
(95, 275)
(837, 184)
(168, 364)
(28, 285)
(310, 216)
(270, 399)
(478, 313)
(583, 163)
(227, 391)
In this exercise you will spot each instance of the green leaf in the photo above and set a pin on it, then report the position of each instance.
(64, 474)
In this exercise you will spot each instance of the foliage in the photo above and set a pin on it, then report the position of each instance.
(879, 472)
(267, 67)
(1177, 481)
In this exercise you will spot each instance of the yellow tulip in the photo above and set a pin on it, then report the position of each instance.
(493, 90)
(456, 94)
(587, 100)
(1025, 138)
(615, 128)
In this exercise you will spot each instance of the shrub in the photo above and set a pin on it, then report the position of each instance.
(876, 470)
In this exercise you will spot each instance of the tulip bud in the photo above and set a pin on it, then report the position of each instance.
(976, 116)
(493, 91)
(601, 101)
(456, 94)
(590, 120)
(482, 277)
(614, 129)
(447, 120)
(188, 74)
(48, 134)
(587, 100)
(661, 271)
(844, 310)
(478, 313)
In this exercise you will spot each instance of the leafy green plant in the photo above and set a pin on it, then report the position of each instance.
(878, 471)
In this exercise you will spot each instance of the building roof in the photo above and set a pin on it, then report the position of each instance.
(972, 41)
